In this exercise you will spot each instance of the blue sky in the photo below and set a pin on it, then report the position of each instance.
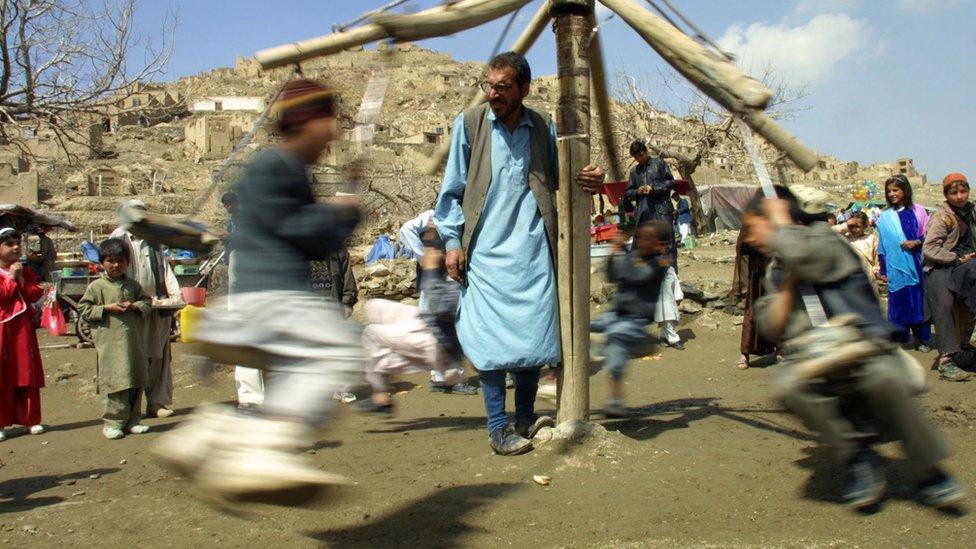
(884, 78)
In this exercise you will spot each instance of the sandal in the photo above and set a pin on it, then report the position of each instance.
(743, 364)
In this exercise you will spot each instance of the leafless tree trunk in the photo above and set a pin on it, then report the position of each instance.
(62, 62)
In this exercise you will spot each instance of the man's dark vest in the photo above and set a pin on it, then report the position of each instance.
(477, 129)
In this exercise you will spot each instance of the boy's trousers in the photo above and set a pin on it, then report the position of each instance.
(882, 385)
(123, 409)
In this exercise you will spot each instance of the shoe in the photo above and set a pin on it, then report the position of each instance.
(923, 348)
(137, 429)
(529, 430)
(865, 486)
(255, 456)
(950, 372)
(679, 345)
(456, 389)
(369, 407)
(112, 433)
(616, 410)
(940, 490)
(506, 442)
(36, 429)
(3, 435)
(344, 397)
(160, 411)
(185, 448)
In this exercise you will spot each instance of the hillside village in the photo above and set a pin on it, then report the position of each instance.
(163, 143)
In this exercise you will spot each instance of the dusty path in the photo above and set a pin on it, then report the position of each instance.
(708, 461)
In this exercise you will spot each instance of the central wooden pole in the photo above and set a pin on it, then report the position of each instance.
(572, 29)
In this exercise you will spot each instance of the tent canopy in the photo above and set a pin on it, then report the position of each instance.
(725, 204)
(19, 217)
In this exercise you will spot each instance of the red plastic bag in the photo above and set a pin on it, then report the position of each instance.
(53, 319)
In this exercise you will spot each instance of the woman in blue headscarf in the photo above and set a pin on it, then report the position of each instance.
(901, 231)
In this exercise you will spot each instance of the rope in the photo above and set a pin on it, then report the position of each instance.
(508, 27)
(699, 35)
(818, 316)
(367, 15)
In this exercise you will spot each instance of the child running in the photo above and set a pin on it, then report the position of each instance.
(21, 373)
(638, 276)
(116, 307)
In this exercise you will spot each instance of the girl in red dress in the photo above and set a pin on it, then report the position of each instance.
(21, 374)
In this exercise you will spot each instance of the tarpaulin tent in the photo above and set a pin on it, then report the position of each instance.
(725, 204)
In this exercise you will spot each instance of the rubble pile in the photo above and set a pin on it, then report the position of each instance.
(389, 279)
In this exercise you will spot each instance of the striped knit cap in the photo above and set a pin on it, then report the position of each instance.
(302, 100)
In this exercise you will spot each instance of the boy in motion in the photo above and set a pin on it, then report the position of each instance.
(304, 343)
(812, 261)
(638, 276)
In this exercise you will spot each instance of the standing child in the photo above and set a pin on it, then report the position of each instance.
(949, 247)
(116, 307)
(638, 276)
(21, 373)
(682, 215)
(901, 232)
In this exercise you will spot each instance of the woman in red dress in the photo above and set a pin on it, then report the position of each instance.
(21, 374)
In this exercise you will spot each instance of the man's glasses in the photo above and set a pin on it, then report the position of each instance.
(487, 86)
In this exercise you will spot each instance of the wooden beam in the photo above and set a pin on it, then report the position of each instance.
(659, 33)
(572, 29)
(601, 95)
(521, 45)
(438, 21)
(726, 92)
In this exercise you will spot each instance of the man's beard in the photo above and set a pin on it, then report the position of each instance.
(503, 108)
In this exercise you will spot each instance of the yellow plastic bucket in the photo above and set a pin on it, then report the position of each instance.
(190, 317)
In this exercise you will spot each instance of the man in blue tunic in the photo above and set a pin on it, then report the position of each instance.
(496, 213)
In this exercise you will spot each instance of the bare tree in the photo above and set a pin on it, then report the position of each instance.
(62, 62)
(702, 131)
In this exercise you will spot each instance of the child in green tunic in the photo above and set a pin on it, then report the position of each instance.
(115, 306)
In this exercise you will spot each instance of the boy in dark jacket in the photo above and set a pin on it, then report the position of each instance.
(814, 264)
(277, 323)
(638, 276)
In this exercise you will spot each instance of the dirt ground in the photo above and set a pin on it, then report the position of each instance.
(708, 460)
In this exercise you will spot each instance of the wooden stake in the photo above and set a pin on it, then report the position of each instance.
(573, 256)
(521, 45)
(601, 96)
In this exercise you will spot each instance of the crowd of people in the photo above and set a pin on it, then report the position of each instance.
(486, 255)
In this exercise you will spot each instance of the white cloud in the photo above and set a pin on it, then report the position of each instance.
(799, 55)
(927, 5)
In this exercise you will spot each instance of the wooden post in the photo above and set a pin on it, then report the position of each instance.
(573, 255)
